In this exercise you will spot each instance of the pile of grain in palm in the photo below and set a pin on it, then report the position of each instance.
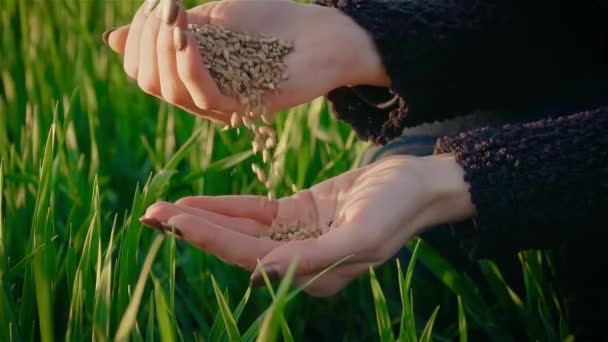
(293, 231)
(245, 66)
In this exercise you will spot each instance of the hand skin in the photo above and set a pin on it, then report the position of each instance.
(374, 211)
(331, 51)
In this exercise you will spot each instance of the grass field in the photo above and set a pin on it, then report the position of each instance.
(84, 152)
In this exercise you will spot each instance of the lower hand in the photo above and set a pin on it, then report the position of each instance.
(369, 214)
(330, 51)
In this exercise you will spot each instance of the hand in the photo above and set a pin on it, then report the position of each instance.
(330, 51)
(369, 213)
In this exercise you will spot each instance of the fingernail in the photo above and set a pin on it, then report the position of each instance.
(150, 5)
(151, 223)
(169, 229)
(179, 38)
(272, 271)
(106, 35)
(169, 11)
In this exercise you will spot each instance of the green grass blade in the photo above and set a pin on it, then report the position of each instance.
(150, 325)
(172, 266)
(548, 325)
(407, 327)
(181, 153)
(3, 256)
(127, 258)
(162, 313)
(463, 286)
(407, 322)
(402, 296)
(297, 291)
(462, 322)
(287, 335)
(383, 318)
(75, 322)
(252, 332)
(158, 185)
(217, 328)
(411, 266)
(267, 281)
(229, 322)
(507, 298)
(42, 281)
(8, 323)
(217, 332)
(241, 306)
(26, 317)
(428, 328)
(272, 319)
(103, 294)
(6, 314)
(128, 319)
(220, 165)
(563, 328)
(454, 280)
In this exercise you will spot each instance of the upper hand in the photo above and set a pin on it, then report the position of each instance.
(330, 51)
(369, 214)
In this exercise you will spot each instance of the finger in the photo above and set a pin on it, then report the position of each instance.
(300, 207)
(195, 76)
(116, 38)
(147, 74)
(163, 211)
(171, 86)
(229, 246)
(131, 57)
(254, 207)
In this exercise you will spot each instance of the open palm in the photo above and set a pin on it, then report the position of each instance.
(368, 214)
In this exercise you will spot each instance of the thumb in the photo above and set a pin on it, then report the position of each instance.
(312, 256)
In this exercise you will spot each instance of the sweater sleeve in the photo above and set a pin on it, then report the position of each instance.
(447, 58)
(533, 184)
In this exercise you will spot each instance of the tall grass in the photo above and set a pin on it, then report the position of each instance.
(82, 154)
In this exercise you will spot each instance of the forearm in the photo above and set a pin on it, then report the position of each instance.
(449, 192)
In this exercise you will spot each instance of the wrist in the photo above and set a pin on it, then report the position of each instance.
(450, 199)
(362, 64)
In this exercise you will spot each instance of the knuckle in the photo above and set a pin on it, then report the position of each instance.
(186, 201)
(156, 208)
(148, 85)
(202, 101)
(172, 96)
(204, 241)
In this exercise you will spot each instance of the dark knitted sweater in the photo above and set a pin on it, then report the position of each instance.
(535, 184)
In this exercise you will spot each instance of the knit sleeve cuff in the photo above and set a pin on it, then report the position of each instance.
(376, 114)
(532, 183)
